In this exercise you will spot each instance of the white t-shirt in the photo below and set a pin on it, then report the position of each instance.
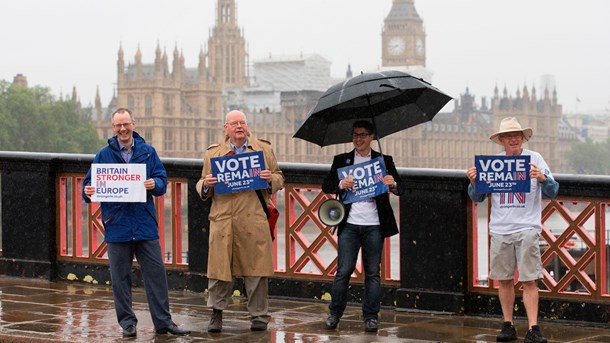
(363, 212)
(514, 212)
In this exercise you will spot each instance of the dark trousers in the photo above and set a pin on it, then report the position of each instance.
(149, 256)
(352, 238)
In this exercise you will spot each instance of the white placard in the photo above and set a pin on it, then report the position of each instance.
(118, 182)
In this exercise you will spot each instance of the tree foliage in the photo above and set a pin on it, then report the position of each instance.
(33, 120)
(590, 157)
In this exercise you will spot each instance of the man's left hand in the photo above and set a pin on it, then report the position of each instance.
(388, 180)
(266, 175)
(149, 184)
(535, 173)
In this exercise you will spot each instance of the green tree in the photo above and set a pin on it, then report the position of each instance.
(33, 120)
(9, 123)
(590, 157)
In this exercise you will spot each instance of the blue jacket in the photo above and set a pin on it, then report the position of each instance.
(124, 222)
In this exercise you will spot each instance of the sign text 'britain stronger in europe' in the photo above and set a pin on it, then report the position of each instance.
(118, 182)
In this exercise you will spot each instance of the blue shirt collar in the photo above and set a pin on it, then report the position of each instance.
(241, 149)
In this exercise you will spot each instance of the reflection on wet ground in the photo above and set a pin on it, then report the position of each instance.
(33, 310)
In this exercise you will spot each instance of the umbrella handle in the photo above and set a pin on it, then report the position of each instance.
(368, 100)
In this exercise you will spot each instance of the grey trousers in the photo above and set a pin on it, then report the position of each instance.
(257, 289)
(148, 253)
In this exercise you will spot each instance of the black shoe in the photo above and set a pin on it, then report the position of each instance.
(130, 331)
(534, 335)
(174, 330)
(508, 333)
(331, 322)
(371, 325)
(215, 321)
(257, 325)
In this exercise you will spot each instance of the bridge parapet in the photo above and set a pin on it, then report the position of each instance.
(437, 263)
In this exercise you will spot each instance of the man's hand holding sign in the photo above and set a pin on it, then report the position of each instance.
(535, 173)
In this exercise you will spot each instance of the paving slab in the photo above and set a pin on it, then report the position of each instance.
(35, 310)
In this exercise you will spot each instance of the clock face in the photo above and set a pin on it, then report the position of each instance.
(396, 46)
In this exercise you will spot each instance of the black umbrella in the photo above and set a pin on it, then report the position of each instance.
(393, 100)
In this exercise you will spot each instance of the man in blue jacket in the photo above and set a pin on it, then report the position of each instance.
(131, 229)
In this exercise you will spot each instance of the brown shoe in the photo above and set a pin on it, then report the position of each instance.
(216, 321)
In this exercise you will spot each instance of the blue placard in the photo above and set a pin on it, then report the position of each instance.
(502, 174)
(238, 173)
(369, 180)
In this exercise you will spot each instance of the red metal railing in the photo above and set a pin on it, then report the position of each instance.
(574, 240)
(308, 248)
(574, 246)
(304, 247)
(81, 233)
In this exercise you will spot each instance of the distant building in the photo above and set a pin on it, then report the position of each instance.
(181, 110)
(309, 72)
(403, 41)
(589, 127)
(273, 76)
(20, 81)
(403, 38)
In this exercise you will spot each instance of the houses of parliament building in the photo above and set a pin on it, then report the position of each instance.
(181, 110)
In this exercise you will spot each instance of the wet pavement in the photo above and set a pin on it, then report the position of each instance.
(34, 310)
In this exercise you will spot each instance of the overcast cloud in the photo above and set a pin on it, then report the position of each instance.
(470, 43)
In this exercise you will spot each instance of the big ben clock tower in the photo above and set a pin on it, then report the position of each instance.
(403, 37)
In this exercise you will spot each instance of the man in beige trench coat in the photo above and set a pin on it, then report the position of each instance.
(240, 243)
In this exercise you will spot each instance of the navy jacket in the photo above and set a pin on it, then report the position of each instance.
(136, 221)
(387, 219)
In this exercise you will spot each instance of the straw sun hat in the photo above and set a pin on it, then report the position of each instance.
(511, 124)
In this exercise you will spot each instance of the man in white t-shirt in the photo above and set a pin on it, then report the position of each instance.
(515, 227)
(364, 228)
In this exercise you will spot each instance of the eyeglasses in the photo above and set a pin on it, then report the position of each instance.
(517, 135)
(124, 125)
(237, 122)
(360, 135)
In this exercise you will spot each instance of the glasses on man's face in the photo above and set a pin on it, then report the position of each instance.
(517, 135)
(360, 135)
(237, 122)
(124, 125)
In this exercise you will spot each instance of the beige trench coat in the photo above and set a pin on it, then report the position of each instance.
(240, 243)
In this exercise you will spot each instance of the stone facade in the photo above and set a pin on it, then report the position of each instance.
(181, 111)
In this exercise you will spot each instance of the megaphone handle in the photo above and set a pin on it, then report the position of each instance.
(338, 197)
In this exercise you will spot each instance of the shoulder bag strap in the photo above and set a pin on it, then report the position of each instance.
(260, 197)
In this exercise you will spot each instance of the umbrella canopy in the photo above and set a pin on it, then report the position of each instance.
(392, 100)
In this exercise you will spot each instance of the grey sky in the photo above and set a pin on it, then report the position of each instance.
(470, 43)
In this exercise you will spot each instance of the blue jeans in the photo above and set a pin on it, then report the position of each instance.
(351, 239)
(149, 256)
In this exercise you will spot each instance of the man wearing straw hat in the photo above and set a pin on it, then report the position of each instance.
(515, 228)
